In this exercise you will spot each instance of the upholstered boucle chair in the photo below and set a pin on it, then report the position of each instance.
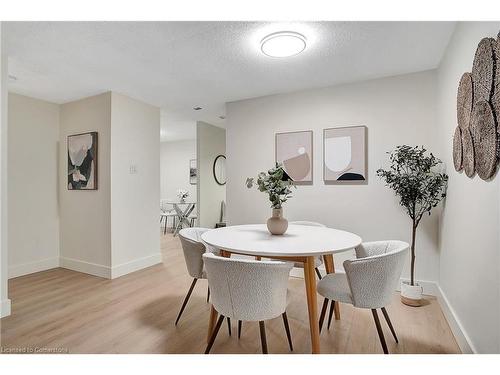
(193, 249)
(248, 290)
(369, 281)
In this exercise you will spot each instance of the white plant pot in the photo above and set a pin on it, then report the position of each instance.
(411, 295)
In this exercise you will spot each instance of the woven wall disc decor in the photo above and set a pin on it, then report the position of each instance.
(457, 149)
(464, 101)
(483, 69)
(495, 99)
(484, 135)
(467, 153)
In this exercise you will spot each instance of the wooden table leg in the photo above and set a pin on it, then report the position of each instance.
(312, 303)
(330, 268)
(213, 313)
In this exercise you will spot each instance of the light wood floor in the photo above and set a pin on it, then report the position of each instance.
(135, 313)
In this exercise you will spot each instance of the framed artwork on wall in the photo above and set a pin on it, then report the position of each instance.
(295, 151)
(193, 172)
(82, 161)
(344, 155)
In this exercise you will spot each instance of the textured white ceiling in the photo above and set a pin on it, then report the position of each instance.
(180, 65)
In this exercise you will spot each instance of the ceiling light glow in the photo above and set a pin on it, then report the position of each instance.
(283, 44)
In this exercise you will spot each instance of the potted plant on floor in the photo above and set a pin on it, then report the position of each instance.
(277, 184)
(414, 177)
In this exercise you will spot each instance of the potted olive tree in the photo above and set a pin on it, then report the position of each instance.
(277, 184)
(414, 177)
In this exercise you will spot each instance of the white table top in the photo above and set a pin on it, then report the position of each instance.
(179, 202)
(299, 240)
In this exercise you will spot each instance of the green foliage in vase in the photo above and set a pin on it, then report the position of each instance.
(275, 183)
(414, 177)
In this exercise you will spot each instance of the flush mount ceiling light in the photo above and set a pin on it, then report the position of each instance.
(283, 44)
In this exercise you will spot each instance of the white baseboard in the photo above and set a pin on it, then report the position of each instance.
(4, 308)
(86, 267)
(463, 339)
(135, 265)
(32, 267)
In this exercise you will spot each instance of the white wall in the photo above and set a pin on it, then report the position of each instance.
(174, 168)
(85, 215)
(33, 233)
(470, 260)
(4, 300)
(211, 142)
(135, 141)
(397, 110)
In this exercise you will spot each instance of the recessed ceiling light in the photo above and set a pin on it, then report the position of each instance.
(197, 108)
(283, 44)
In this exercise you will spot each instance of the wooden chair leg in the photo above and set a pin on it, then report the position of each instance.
(386, 315)
(165, 226)
(318, 273)
(186, 299)
(323, 313)
(330, 314)
(239, 329)
(379, 330)
(229, 325)
(208, 294)
(263, 337)
(287, 329)
(214, 334)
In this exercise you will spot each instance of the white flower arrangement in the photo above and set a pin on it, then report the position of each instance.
(182, 194)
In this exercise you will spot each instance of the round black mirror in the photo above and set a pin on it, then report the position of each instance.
(219, 169)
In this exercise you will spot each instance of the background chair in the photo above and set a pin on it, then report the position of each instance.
(165, 214)
(369, 281)
(193, 249)
(248, 290)
(318, 261)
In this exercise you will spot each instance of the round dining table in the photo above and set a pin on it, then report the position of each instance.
(300, 243)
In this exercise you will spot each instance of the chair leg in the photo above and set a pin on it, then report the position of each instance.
(214, 334)
(239, 329)
(287, 329)
(330, 314)
(263, 337)
(165, 226)
(229, 325)
(208, 294)
(384, 311)
(186, 299)
(379, 330)
(323, 312)
(318, 273)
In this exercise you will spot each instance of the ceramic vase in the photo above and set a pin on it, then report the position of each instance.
(277, 224)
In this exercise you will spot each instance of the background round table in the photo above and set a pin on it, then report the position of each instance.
(182, 214)
(300, 243)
